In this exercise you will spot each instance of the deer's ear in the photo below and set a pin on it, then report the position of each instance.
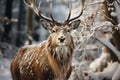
(46, 24)
(75, 24)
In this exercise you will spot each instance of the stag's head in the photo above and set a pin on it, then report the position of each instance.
(60, 31)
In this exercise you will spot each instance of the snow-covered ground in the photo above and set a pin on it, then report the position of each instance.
(7, 51)
(5, 69)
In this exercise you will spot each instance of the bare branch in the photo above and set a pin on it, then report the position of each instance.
(8, 20)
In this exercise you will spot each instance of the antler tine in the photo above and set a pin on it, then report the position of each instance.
(36, 9)
(69, 14)
(51, 14)
(29, 5)
(80, 12)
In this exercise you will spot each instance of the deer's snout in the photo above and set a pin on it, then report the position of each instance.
(61, 39)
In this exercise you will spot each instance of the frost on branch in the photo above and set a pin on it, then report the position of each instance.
(96, 54)
(101, 62)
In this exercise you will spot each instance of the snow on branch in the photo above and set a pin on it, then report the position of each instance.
(110, 46)
(118, 1)
(87, 32)
(96, 2)
(7, 20)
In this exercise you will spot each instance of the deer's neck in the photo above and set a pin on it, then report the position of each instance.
(60, 59)
(61, 53)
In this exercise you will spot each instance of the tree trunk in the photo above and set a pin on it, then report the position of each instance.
(115, 34)
(116, 30)
(7, 26)
(20, 28)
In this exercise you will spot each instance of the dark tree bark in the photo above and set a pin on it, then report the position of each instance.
(7, 26)
(114, 18)
(20, 28)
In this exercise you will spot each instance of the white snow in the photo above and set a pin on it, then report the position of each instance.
(116, 75)
(5, 69)
(100, 63)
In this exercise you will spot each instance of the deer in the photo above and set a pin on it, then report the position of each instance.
(52, 58)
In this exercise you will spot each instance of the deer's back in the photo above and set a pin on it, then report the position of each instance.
(31, 63)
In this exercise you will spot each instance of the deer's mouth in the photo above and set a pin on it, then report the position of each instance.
(61, 43)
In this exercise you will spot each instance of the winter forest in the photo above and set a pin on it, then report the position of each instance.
(97, 39)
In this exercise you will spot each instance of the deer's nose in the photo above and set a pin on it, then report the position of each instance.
(61, 39)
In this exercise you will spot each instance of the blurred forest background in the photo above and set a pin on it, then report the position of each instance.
(98, 34)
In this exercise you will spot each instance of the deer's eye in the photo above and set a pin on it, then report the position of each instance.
(53, 31)
(68, 30)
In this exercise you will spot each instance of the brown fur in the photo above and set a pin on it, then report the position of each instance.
(45, 61)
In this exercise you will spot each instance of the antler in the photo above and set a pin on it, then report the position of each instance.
(31, 5)
(54, 21)
(69, 14)
(69, 20)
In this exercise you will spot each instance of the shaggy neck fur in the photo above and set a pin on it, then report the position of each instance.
(60, 58)
(61, 54)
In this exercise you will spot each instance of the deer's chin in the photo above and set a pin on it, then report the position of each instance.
(62, 44)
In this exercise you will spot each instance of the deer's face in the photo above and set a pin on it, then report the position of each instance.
(60, 34)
